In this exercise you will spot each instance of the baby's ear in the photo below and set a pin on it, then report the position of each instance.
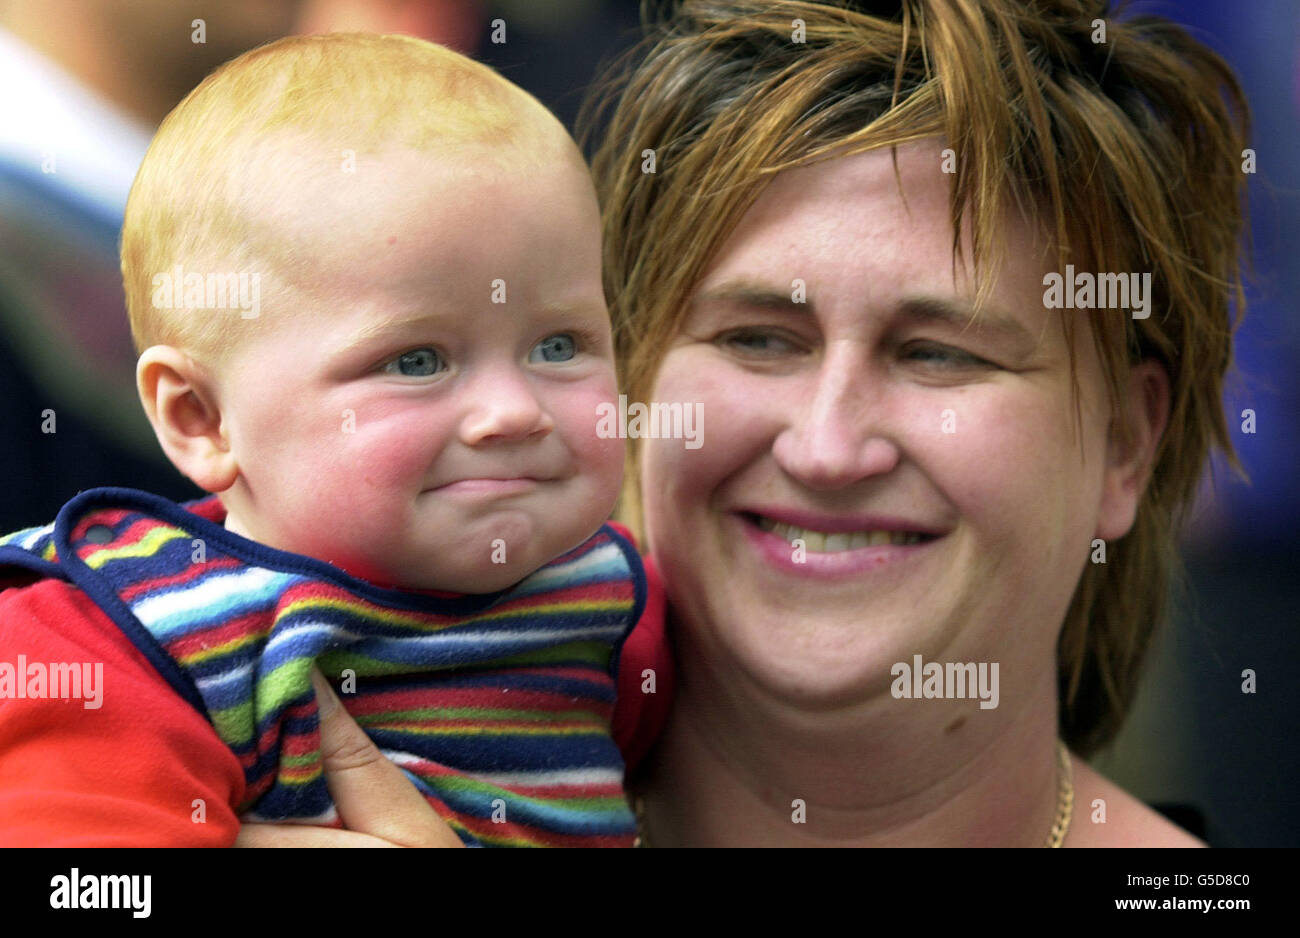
(183, 408)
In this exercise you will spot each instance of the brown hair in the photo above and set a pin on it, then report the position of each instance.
(1128, 149)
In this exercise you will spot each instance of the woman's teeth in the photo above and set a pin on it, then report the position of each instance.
(821, 542)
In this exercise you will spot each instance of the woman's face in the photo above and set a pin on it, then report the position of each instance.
(876, 480)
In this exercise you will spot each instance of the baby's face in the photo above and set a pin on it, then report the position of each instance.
(427, 418)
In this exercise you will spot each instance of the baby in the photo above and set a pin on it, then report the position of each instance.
(363, 273)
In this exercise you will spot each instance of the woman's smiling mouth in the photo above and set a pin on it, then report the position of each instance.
(832, 547)
(827, 542)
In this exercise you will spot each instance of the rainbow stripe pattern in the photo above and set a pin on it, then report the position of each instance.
(497, 707)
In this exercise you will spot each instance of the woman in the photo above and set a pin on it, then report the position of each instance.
(952, 290)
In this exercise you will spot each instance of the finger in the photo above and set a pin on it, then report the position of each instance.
(371, 794)
(302, 835)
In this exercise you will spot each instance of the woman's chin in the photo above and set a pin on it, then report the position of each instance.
(812, 688)
(820, 669)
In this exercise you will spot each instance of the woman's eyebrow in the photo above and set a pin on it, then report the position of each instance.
(749, 293)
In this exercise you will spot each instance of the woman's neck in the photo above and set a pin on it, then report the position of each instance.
(736, 767)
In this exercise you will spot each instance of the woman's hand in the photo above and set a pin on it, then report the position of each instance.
(377, 803)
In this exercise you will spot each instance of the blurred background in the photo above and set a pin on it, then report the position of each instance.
(86, 82)
(1194, 737)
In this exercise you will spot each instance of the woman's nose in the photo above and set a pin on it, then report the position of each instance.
(834, 435)
(504, 406)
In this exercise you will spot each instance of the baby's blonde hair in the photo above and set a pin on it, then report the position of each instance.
(294, 109)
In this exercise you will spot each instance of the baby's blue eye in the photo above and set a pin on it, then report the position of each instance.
(554, 348)
(419, 363)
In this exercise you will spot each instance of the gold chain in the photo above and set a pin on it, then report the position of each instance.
(1055, 837)
(1064, 798)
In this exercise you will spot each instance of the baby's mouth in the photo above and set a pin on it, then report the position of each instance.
(487, 486)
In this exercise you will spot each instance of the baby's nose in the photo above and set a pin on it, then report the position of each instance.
(505, 407)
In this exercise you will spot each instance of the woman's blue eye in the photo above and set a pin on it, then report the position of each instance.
(754, 341)
(942, 355)
(554, 348)
(419, 363)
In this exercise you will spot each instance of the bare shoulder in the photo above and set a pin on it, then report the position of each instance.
(1128, 822)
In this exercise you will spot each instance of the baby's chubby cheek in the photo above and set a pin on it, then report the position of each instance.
(604, 481)
(597, 456)
(354, 463)
(390, 456)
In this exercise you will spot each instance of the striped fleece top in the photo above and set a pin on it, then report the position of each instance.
(496, 706)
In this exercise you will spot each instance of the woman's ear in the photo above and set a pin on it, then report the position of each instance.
(182, 406)
(1128, 469)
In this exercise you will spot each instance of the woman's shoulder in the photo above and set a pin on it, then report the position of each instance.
(1105, 815)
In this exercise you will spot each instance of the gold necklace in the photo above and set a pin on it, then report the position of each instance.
(1055, 836)
(1064, 797)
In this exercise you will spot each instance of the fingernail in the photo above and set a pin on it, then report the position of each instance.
(326, 699)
